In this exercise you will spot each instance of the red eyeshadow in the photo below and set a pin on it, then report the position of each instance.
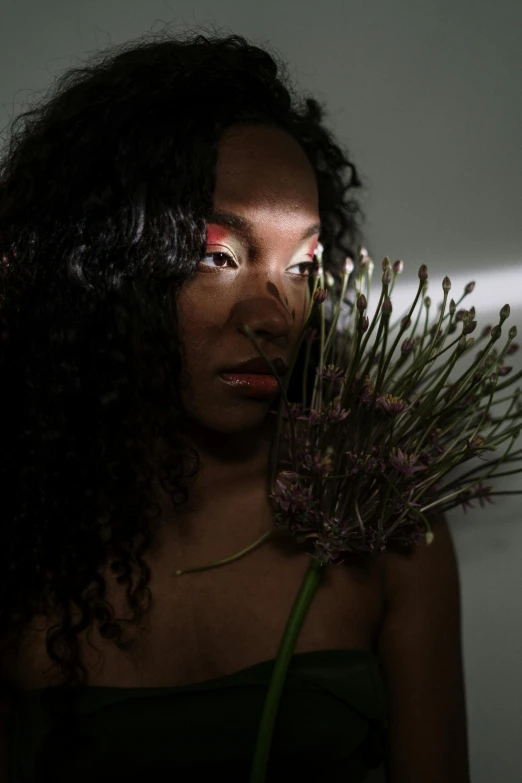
(313, 246)
(216, 234)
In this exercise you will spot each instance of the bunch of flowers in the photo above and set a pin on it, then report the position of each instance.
(385, 429)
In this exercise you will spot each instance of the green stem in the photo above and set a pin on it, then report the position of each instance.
(286, 650)
(331, 336)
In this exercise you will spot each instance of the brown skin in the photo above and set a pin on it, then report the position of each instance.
(264, 176)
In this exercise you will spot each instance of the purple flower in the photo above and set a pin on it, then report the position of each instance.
(478, 445)
(405, 464)
(295, 497)
(391, 404)
(312, 416)
(330, 373)
(366, 463)
(334, 412)
(367, 390)
(318, 463)
(481, 493)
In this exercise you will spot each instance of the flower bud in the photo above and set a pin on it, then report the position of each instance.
(329, 279)
(405, 322)
(423, 272)
(513, 348)
(427, 301)
(462, 315)
(446, 284)
(319, 252)
(361, 303)
(452, 307)
(407, 347)
(512, 333)
(504, 370)
(387, 306)
(320, 295)
(386, 276)
(469, 327)
(469, 288)
(496, 332)
(504, 313)
(365, 324)
(386, 263)
(462, 343)
(398, 266)
(486, 330)
(348, 265)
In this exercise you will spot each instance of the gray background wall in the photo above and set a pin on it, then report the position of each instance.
(426, 96)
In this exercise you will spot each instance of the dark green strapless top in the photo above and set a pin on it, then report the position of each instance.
(331, 726)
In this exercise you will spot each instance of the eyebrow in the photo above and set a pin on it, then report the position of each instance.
(240, 224)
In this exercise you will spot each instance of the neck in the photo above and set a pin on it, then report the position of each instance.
(228, 500)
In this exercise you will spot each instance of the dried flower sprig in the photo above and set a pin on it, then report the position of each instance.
(373, 452)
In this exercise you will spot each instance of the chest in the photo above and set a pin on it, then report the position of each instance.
(209, 624)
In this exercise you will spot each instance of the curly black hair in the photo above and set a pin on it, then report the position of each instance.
(105, 184)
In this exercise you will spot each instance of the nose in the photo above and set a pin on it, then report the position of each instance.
(271, 304)
(265, 315)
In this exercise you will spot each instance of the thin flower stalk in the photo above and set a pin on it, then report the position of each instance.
(515, 457)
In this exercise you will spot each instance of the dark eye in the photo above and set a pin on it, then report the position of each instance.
(222, 256)
(308, 266)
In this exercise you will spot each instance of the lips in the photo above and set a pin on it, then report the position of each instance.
(259, 366)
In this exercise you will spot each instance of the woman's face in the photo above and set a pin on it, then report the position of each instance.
(255, 275)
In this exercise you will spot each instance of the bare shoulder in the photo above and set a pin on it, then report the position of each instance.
(420, 656)
(425, 565)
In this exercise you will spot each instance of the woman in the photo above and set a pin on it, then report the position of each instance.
(161, 198)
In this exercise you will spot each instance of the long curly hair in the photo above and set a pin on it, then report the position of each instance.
(105, 184)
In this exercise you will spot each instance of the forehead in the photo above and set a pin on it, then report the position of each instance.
(263, 165)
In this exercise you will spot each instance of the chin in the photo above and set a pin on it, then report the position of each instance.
(242, 421)
(240, 418)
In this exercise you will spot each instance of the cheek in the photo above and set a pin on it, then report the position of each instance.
(199, 326)
(191, 320)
